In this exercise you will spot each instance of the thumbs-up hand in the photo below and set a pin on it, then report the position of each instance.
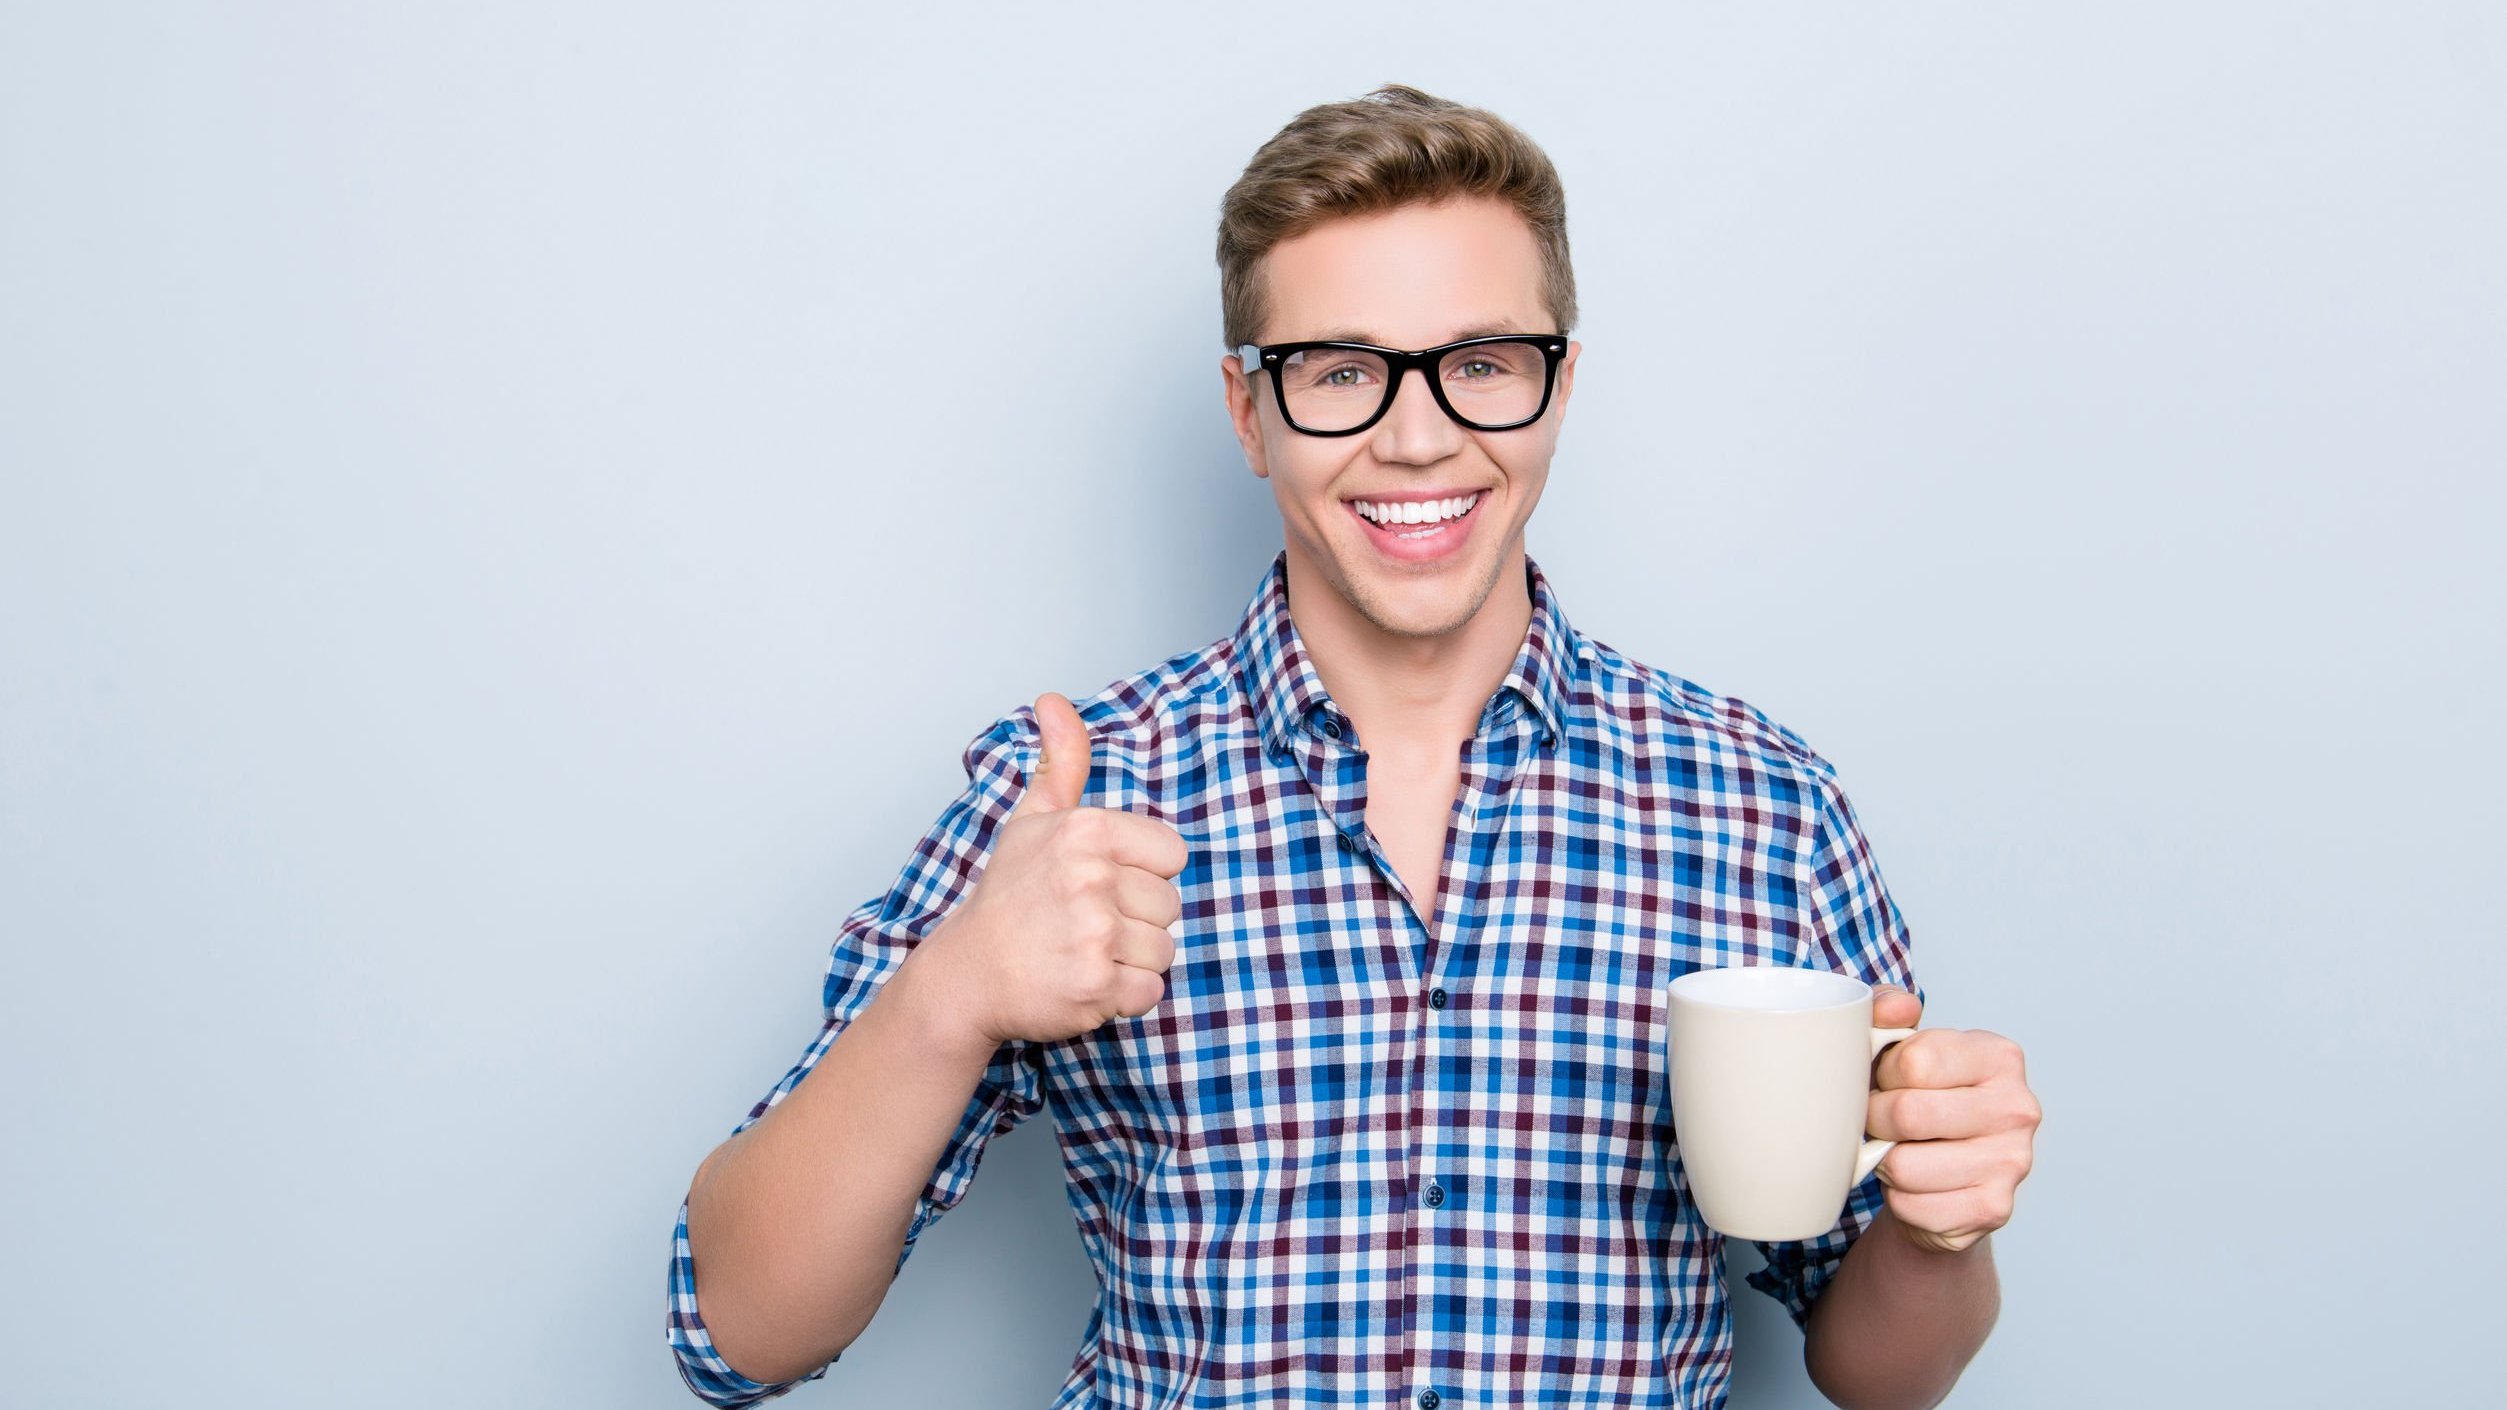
(1067, 928)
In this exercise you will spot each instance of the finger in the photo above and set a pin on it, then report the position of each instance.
(1137, 991)
(1145, 895)
(1926, 1167)
(1062, 762)
(1145, 946)
(1152, 844)
(1941, 1113)
(1956, 1218)
(1947, 1057)
(1893, 1007)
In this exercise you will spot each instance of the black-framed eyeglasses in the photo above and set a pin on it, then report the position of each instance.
(1339, 389)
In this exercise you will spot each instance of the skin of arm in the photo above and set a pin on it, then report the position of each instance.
(1899, 1322)
(1917, 1294)
(788, 1276)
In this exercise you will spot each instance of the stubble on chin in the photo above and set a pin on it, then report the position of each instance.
(1378, 612)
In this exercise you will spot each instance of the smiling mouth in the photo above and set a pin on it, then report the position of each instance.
(1425, 529)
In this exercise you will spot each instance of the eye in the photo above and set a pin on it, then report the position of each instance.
(1476, 368)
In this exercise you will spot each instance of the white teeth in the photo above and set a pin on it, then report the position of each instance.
(1418, 511)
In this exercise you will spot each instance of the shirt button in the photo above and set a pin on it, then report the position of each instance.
(1436, 998)
(1331, 727)
(1436, 1194)
(1348, 843)
(1429, 1400)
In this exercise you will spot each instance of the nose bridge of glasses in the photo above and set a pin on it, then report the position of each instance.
(1425, 364)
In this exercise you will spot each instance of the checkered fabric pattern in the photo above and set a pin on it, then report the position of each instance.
(1355, 1158)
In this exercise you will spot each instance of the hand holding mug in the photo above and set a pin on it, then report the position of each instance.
(1957, 1103)
(1068, 927)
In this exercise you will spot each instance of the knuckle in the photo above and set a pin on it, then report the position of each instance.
(1105, 984)
(1084, 876)
(1996, 1206)
(1916, 1063)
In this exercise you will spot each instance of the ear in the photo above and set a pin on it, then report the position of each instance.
(1244, 414)
(1567, 373)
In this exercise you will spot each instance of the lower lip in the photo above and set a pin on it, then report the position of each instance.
(1441, 541)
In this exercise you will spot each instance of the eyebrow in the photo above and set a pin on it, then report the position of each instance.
(1360, 335)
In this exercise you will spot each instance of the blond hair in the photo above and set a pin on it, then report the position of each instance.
(1393, 147)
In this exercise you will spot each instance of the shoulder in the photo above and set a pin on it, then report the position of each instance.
(1135, 718)
(1666, 718)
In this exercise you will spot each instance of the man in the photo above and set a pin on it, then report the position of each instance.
(1341, 942)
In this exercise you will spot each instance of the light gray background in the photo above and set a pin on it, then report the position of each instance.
(508, 514)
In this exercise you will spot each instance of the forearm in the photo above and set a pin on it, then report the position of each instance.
(796, 1223)
(1899, 1322)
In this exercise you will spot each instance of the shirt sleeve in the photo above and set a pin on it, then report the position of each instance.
(1855, 929)
(869, 946)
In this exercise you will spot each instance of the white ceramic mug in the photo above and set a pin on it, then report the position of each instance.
(1770, 1085)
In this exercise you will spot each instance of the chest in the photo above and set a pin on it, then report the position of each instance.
(1410, 806)
(1304, 1004)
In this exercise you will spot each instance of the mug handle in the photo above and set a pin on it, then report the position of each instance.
(1874, 1149)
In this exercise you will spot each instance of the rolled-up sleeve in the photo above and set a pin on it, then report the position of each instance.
(869, 946)
(1855, 928)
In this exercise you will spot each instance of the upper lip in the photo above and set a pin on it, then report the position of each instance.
(1414, 496)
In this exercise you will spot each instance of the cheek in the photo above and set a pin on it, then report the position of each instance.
(1305, 469)
(1526, 468)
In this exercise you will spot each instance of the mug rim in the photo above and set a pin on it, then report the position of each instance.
(1696, 987)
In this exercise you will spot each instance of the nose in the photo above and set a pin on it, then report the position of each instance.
(1415, 430)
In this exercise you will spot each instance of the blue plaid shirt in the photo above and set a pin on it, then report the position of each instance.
(1356, 1158)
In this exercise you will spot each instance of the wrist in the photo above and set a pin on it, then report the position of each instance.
(940, 999)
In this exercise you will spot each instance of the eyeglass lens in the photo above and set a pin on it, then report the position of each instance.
(1491, 384)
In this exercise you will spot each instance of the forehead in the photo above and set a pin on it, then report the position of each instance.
(1410, 277)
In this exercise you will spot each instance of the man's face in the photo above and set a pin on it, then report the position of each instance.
(1413, 277)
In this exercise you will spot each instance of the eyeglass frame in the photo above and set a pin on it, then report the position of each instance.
(1253, 357)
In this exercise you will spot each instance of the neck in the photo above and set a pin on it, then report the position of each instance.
(1411, 694)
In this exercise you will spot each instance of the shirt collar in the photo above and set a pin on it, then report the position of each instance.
(1289, 700)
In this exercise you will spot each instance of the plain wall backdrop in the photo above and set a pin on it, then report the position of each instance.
(509, 513)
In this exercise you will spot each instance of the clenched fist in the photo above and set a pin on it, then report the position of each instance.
(1067, 929)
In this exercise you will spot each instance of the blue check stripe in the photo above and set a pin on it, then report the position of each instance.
(1358, 1154)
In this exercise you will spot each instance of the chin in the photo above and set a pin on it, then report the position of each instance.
(1400, 605)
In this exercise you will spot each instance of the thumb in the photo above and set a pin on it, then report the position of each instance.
(1895, 1007)
(1062, 765)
